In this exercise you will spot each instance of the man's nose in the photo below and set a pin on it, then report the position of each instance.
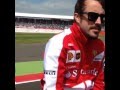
(98, 21)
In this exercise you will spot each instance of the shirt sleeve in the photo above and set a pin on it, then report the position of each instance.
(54, 66)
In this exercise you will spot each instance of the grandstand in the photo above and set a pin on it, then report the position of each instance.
(41, 23)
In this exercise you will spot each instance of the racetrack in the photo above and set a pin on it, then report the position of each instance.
(28, 52)
(29, 86)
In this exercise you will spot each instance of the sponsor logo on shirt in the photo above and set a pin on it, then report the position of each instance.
(73, 56)
(75, 72)
(49, 72)
(70, 56)
(89, 71)
(71, 67)
(68, 74)
(99, 57)
(70, 44)
(77, 55)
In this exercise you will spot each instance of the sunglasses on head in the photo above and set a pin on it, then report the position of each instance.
(92, 16)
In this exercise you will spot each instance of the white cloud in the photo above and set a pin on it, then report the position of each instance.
(60, 7)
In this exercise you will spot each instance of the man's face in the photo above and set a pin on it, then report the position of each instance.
(91, 20)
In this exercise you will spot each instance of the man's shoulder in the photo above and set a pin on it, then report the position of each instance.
(61, 35)
(98, 41)
(101, 42)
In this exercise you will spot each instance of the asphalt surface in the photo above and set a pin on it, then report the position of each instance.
(29, 52)
(29, 86)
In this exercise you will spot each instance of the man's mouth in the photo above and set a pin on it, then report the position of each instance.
(96, 32)
(97, 27)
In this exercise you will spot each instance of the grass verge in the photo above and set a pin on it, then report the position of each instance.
(28, 38)
(31, 67)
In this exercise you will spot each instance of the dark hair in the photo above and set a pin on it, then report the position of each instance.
(80, 5)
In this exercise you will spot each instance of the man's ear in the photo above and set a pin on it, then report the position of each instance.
(77, 17)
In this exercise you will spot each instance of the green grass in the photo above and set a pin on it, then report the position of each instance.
(31, 67)
(28, 38)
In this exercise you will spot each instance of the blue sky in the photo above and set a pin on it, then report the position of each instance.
(54, 7)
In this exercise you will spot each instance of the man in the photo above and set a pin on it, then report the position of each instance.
(74, 59)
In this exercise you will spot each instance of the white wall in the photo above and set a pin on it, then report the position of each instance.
(30, 30)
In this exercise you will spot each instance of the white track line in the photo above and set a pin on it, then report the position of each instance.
(27, 81)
